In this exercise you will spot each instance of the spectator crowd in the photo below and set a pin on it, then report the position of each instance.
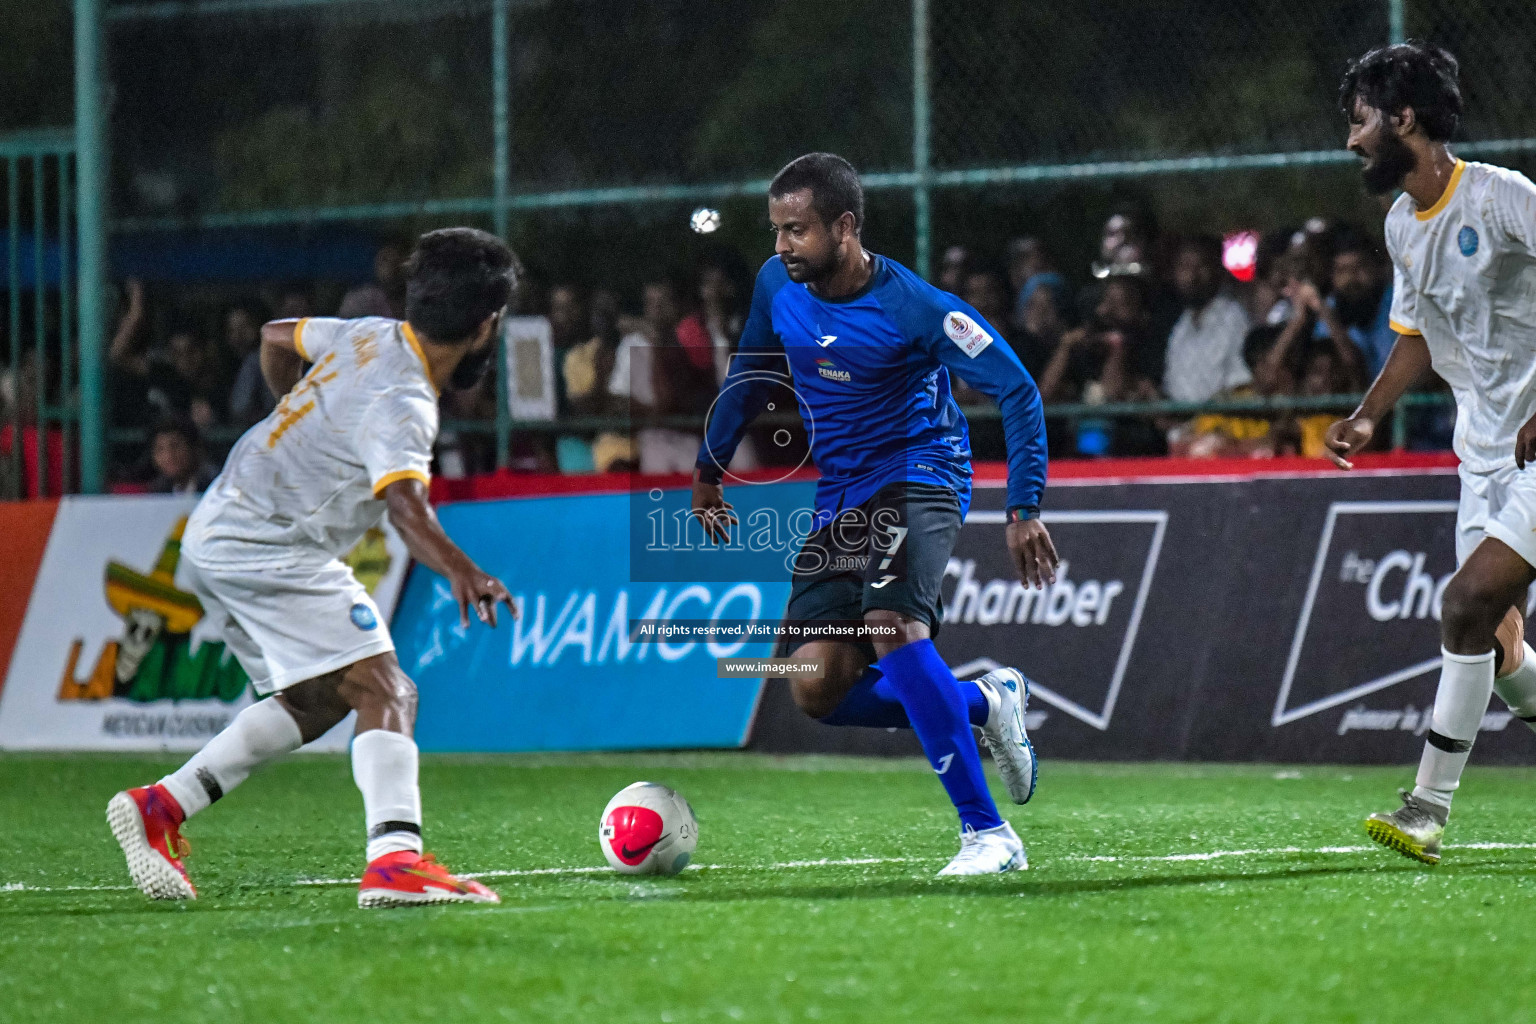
(598, 385)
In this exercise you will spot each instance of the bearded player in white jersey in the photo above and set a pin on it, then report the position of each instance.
(351, 440)
(1462, 238)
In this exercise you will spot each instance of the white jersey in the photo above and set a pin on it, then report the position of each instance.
(307, 480)
(1464, 276)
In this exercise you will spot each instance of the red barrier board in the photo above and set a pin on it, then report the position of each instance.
(25, 525)
(504, 484)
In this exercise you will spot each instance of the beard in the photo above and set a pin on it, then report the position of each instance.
(1394, 159)
(805, 271)
(1357, 310)
(471, 369)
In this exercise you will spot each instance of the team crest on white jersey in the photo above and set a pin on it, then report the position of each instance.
(966, 333)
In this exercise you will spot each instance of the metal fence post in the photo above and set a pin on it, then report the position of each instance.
(40, 313)
(91, 221)
(1396, 29)
(922, 212)
(501, 185)
(499, 115)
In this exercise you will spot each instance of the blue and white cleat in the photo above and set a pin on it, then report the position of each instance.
(988, 852)
(1007, 693)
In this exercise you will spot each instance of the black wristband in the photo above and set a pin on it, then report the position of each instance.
(1020, 513)
(709, 473)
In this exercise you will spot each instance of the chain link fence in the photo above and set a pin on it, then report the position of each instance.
(231, 112)
(586, 130)
(1037, 83)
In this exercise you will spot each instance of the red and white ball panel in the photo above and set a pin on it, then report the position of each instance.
(648, 829)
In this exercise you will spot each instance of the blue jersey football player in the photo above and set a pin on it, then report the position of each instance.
(868, 348)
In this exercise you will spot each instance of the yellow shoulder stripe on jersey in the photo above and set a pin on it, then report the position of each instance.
(402, 474)
(1445, 197)
(298, 339)
(410, 336)
(1400, 329)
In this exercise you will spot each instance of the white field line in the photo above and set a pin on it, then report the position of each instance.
(825, 862)
(829, 862)
(25, 887)
(1282, 850)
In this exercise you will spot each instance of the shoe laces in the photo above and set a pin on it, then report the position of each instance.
(971, 846)
(429, 862)
(1415, 807)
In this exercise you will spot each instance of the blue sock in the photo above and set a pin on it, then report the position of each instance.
(931, 695)
(976, 706)
(873, 702)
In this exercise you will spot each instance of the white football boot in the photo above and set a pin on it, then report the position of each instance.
(988, 852)
(1413, 830)
(1007, 693)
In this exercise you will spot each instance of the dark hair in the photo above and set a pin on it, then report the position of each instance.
(1412, 74)
(1258, 341)
(1207, 247)
(833, 184)
(1348, 239)
(251, 307)
(177, 424)
(1136, 284)
(455, 278)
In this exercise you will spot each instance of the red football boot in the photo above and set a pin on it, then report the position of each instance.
(147, 824)
(406, 878)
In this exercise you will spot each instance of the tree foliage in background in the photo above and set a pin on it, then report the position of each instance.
(814, 76)
(364, 103)
(36, 53)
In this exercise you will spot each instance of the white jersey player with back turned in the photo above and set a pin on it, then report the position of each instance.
(350, 440)
(1462, 238)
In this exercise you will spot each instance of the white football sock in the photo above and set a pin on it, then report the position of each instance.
(1518, 689)
(1466, 683)
(261, 733)
(384, 765)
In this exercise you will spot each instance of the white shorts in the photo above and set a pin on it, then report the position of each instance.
(290, 624)
(1501, 505)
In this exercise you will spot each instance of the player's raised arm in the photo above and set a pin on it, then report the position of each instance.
(757, 368)
(282, 362)
(1511, 212)
(396, 448)
(969, 347)
(411, 514)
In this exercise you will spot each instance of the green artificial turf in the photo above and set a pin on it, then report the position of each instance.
(1103, 927)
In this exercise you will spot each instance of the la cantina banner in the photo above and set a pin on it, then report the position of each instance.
(113, 652)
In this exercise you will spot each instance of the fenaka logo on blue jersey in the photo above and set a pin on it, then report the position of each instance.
(828, 369)
(363, 617)
(1466, 240)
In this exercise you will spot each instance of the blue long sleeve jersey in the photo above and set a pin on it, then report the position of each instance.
(871, 375)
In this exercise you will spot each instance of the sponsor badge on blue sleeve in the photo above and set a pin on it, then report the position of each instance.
(966, 333)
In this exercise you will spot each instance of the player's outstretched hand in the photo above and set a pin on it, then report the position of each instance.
(1525, 443)
(474, 586)
(1029, 542)
(711, 508)
(1346, 437)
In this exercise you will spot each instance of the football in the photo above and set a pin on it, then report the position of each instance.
(704, 220)
(648, 829)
